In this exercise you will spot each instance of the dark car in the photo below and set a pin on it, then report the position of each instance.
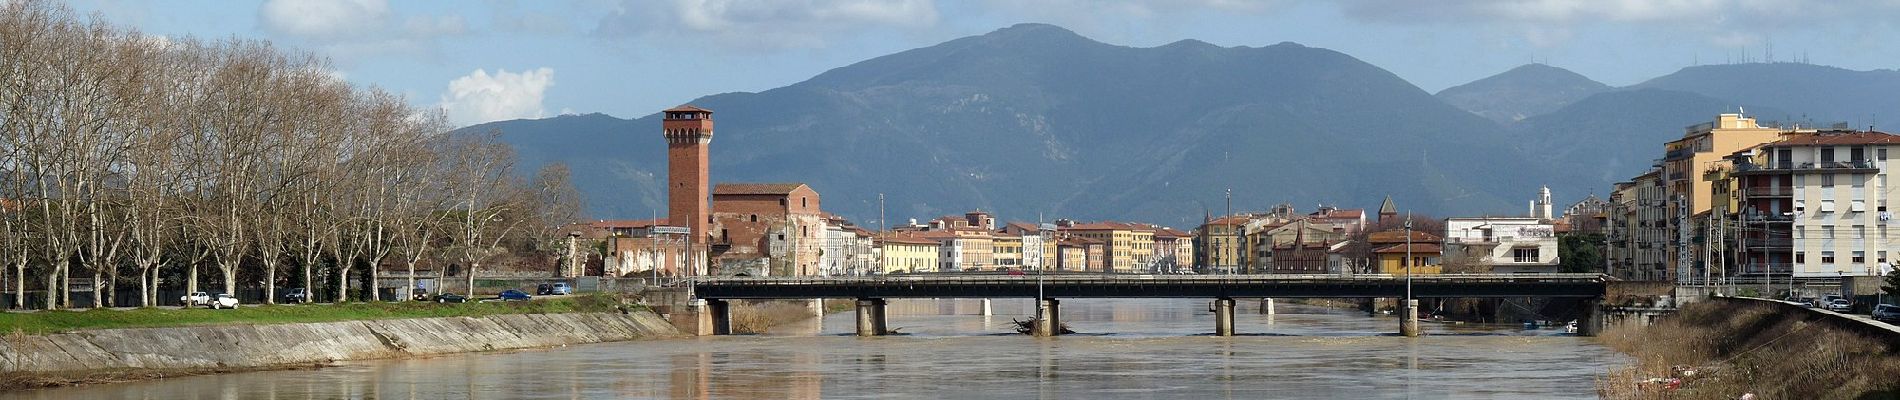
(1887, 313)
(450, 298)
(297, 295)
(512, 294)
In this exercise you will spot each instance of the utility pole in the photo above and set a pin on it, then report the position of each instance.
(1234, 248)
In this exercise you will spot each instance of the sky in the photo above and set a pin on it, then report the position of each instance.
(492, 60)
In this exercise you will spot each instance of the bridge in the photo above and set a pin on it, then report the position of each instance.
(872, 292)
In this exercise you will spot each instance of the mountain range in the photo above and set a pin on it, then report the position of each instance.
(1034, 121)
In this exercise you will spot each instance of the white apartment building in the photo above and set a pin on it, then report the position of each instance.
(1817, 205)
(1508, 245)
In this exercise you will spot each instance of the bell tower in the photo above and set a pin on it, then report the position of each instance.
(688, 131)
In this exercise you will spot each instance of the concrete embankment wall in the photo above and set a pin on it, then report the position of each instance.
(1856, 324)
(256, 346)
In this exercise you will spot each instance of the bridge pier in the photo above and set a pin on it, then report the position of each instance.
(986, 307)
(1048, 318)
(1408, 318)
(1223, 317)
(871, 315)
(1266, 306)
(715, 317)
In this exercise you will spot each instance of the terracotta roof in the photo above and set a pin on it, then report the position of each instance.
(1025, 226)
(1397, 236)
(1417, 248)
(905, 239)
(756, 188)
(1110, 226)
(1171, 232)
(687, 108)
(1230, 220)
(1836, 138)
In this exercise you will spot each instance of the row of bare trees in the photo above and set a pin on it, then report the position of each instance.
(133, 159)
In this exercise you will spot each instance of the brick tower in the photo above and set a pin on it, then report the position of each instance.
(689, 132)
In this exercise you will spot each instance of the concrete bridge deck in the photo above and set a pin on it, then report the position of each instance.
(872, 292)
(1154, 286)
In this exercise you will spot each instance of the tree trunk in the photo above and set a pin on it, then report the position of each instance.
(230, 279)
(408, 291)
(145, 297)
(343, 282)
(66, 285)
(374, 294)
(191, 279)
(270, 282)
(96, 286)
(471, 278)
(52, 289)
(19, 286)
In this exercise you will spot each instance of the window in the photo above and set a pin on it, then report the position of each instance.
(1524, 255)
(1881, 154)
(1827, 257)
(1827, 231)
(1860, 231)
(1881, 257)
(1827, 154)
(1860, 257)
(1857, 180)
(1800, 257)
(1827, 180)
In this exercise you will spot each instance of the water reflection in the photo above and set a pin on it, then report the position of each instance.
(1128, 349)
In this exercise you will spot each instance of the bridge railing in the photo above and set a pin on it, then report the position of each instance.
(1067, 279)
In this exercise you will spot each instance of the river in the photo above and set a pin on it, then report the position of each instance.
(1126, 348)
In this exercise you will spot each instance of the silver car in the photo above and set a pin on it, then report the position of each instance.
(1840, 305)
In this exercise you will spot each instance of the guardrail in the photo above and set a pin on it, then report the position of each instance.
(1032, 278)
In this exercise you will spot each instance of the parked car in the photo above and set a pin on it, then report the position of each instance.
(512, 294)
(450, 298)
(297, 295)
(223, 300)
(1887, 313)
(1840, 305)
(1827, 300)
(195, 298)
(419, 294)
(557, 288)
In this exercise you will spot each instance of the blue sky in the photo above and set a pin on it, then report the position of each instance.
(499, 59)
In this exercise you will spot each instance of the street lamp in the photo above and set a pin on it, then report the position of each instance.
(1408, 258)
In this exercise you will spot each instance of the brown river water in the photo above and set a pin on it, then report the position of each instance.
(1126, 348)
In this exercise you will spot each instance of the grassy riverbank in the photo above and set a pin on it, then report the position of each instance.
(1738, 349)
(45, 322)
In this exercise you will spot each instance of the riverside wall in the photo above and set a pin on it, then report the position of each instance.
(266, 346)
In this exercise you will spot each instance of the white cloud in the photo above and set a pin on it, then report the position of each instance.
(480, 97)
(1727, 23)
(765, 23)
(353, 29)
(325, 18)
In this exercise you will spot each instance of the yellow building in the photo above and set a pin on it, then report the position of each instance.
(1424, 261)
(1129, 247)
(1389, 247)
(908, 254)
(1007, 250)
(1219, 245)
(1693, 165)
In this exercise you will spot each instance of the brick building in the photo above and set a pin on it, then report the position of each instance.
(772, 229)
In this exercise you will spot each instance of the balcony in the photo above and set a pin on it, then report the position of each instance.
(1769, 245)
(1676, 154)
(1810, 167)
(1770, 192)
(1677, 176)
